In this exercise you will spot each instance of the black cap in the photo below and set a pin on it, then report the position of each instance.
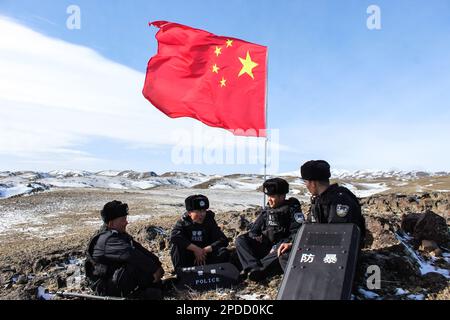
(315, 170)
(275, 186)
(196, 202)
(113, 210)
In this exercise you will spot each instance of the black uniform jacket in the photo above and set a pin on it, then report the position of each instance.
(280, 224)
(337, 204)
(208, 233)
(118, 250)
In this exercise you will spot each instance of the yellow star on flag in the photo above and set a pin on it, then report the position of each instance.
(223, 82)
(247, 66)
(229, 43)
(218, 51)
(215, 68)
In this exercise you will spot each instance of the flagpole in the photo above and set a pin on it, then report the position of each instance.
(265, 113)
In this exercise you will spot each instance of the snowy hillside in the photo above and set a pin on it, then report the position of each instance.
(362, 182)
(21, 182)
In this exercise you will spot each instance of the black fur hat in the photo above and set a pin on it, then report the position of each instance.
(196, 202)
(113, 210)
(315, 170)
(275, 186)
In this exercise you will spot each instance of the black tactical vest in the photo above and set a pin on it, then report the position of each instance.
(278, 221)
(98, 270)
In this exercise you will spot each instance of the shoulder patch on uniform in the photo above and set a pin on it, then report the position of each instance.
(299, 217)
(342, 210)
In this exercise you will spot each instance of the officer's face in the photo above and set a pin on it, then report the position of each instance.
(119, 224)
(197, 215)
(312, 187)
(276, 200)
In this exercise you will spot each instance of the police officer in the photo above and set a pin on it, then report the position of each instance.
(329, 203)
(116, 265)
(196, 239)
(276, 224)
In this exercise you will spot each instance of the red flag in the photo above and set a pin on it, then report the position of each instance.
(220, 81)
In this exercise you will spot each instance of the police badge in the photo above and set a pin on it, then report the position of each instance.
(299, 217)
(342, 210)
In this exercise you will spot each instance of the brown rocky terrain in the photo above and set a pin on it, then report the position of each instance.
(55, 262)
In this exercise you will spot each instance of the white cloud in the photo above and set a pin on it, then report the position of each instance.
(385, 146)
(55, 96)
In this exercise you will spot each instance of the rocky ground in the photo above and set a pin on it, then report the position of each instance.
(407, 238)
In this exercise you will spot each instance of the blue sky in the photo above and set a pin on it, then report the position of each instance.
(359, 98)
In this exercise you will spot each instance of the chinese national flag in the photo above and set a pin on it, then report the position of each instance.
(220, 81)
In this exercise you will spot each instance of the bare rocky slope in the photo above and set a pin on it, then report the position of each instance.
(414, 261)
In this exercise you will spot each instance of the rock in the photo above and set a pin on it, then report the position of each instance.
(151, 232)
(396, 268)
(40, 264)
(71, 269)
(434, 281)
(243, 223)
(400, 203)
(275, 282)
(22, 279)
(443, 294)
(412, 199)
(61, 282)
(428, 245)
(7, 269)
(162, 244)
(8, 285)
(426, 226)
(379, 232)
(409, 222)
(436, 252)
(431, 226)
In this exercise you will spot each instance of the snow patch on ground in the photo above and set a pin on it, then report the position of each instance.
(42, 294)
(68, 184)
(108, 173)
(7, 192)
(230, 184)
(424, 266)
(253, 296)
(144, 185)
(368, 294)
(416, 296)
(400, 291)
(363, 190)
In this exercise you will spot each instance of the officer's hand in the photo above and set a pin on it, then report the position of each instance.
(283, 248)
(208, 249)
(158, 275)
(200, 256)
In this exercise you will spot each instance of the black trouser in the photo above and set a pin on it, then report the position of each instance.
(182, 258)
(253, 254)
(125, 283)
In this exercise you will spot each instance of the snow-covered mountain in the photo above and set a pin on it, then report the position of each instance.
(362, 182)
(374, 174)
(26, 182)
